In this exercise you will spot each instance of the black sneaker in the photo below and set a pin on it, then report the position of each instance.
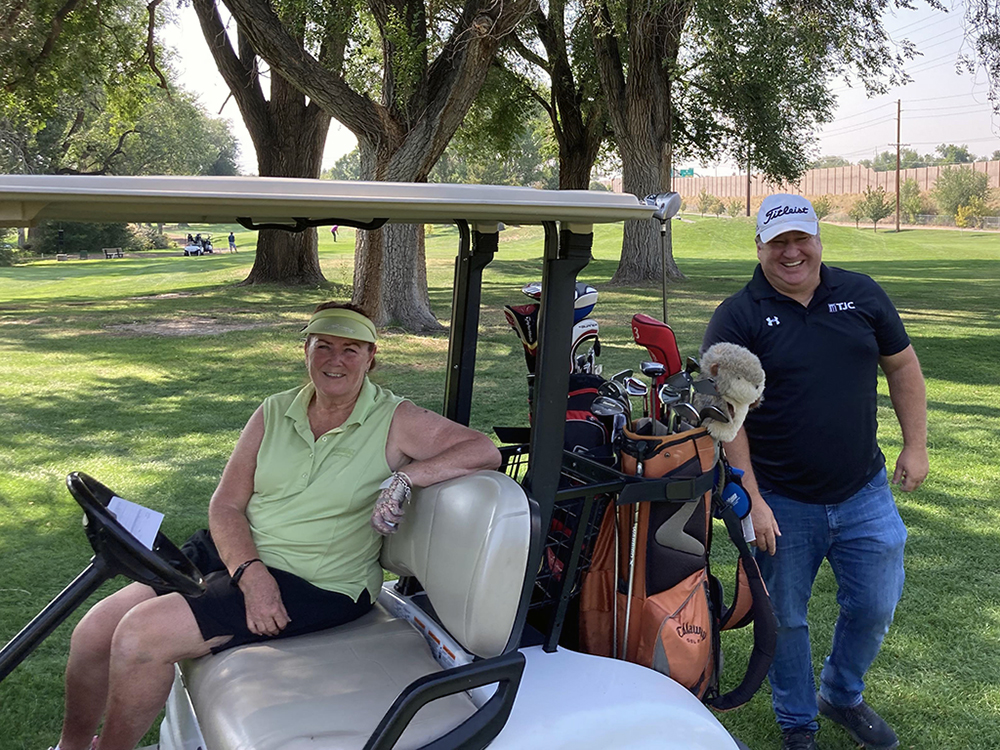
(799, 739)
(865, 726)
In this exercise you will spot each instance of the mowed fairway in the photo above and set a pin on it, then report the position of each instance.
(142, 371)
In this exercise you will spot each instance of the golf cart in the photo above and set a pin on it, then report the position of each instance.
(199, 245)
(464, 649)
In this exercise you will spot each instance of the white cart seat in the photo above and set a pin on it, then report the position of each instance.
(467, 542)
(324, 690)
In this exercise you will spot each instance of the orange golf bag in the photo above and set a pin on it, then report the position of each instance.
(649, 596)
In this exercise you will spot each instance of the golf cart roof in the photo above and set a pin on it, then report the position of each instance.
(27, 199)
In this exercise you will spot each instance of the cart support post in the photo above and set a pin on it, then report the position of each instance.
(567, 252)
(466, 297)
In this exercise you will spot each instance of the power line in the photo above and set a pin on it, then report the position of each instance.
(859, 126)
(864, 112)
(927, 21)
(939, 98)
(954, 108)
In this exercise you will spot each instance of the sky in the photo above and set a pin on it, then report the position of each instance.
(938, 106)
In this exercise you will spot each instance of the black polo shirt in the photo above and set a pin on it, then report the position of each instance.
(814, 436)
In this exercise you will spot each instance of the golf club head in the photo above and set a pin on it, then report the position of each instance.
(665, 205)
(636, 388)
(680, 381)
(603, 406)
(669, 395)
(686, 413)
(713, 412)
(691, 365)
(612, 389)
(705, 386)
(532, 290)
(653, 369)
(621, 377)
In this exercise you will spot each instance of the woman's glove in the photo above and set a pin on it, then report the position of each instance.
(396, 490)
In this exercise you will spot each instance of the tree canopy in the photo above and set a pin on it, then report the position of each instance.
(946, 153)
(401, 76)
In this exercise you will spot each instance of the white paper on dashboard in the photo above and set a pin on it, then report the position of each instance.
(139, 521)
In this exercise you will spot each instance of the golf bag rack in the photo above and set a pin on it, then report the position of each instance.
(586, 489)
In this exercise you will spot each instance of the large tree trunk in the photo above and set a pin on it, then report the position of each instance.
(639, 107)
(289, 136)
(294, 148)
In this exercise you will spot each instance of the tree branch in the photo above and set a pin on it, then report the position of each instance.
(285, 55)
(54, 32)
(239, 72)
(151, 45)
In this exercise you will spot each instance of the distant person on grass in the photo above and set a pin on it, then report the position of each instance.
(232, 243)
(333, 231)
(319, 475)
(813, 467)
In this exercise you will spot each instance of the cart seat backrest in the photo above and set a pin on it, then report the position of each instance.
(466, 540)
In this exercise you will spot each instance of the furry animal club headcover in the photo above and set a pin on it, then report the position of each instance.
(739, 380)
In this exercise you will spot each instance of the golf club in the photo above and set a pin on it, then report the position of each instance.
(686, 413)
(713, 412)
(637, 389)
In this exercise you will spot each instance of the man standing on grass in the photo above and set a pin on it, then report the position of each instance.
(232, 242)
(813, 467)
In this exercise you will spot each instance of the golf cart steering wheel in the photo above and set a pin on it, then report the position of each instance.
(164, 565)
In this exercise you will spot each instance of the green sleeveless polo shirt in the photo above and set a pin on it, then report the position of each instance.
(313, 498)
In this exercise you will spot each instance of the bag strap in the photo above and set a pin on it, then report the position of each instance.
(765, 629)
(661, 489)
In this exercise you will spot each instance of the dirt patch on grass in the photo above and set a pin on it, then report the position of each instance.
(169, 295)
(195, 325)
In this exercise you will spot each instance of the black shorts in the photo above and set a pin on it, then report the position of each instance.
(221, 610)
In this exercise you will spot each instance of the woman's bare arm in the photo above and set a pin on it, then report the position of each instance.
(227, 520)
(430, 448)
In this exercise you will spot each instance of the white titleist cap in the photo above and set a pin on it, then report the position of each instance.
(785, 213)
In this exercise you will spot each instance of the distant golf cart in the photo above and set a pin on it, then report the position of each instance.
(200, 244)
(464, 650)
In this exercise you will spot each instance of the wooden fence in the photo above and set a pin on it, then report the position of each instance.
(848, 180)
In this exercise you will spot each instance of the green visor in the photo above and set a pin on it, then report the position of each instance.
(337, 321)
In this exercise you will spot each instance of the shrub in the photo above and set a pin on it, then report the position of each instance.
(876, 205)
(706, 202)
(719, 208)
(857, 212)
(735, 207)
(971, 215)
(823, 206)
(957, 186)
(149, 237)
(910, 202)
(84, 238)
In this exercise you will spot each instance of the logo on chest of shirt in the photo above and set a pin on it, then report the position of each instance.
(841, 306)
(772, 321)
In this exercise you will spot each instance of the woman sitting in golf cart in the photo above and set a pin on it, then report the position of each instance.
(320, 473)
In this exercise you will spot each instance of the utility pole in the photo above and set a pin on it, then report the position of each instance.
(898, 146)
(748, 179)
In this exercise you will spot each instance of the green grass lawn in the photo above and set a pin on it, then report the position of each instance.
(142, 371)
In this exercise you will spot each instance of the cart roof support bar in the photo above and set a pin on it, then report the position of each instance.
(567, 252)
(466, 297)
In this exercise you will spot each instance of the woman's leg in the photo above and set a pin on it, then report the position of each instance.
(147, 642)
(87, 667)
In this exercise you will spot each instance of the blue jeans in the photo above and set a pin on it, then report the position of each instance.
(863, 538)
